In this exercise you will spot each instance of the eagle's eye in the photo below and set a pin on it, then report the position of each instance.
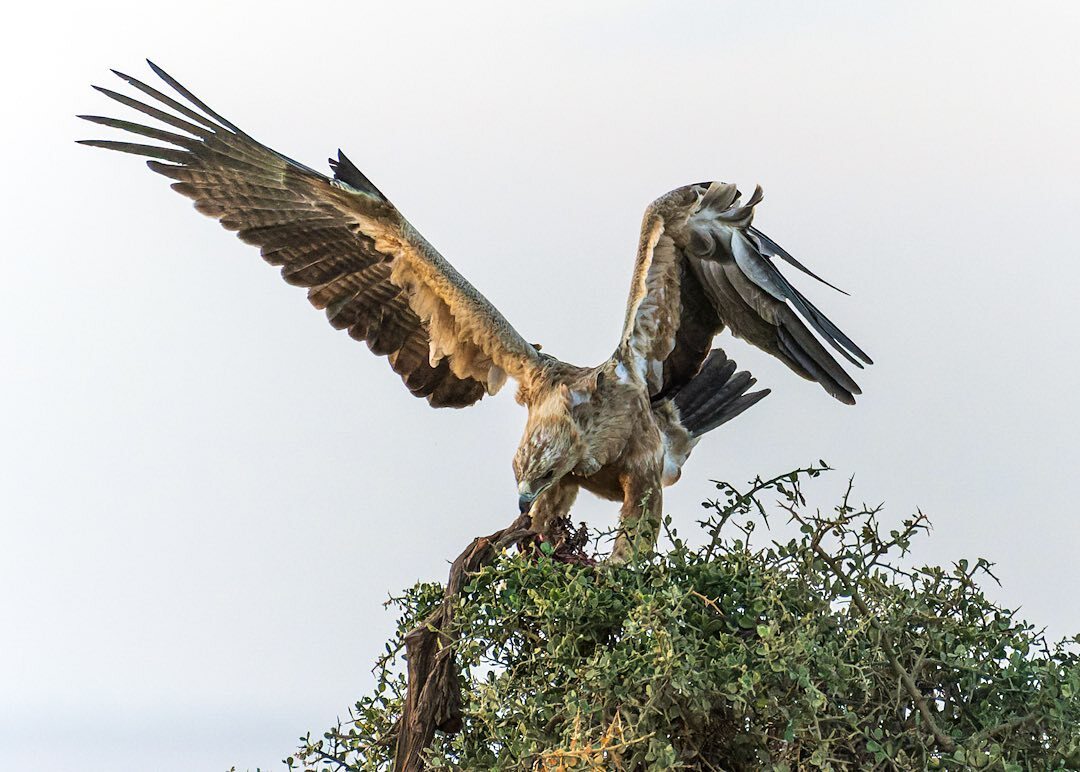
(546, 478)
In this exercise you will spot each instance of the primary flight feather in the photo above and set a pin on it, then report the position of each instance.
(622, 429)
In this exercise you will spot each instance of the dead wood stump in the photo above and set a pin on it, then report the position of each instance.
(433, 698)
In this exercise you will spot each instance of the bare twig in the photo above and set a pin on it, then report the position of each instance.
(1004, 728)
(341, 763)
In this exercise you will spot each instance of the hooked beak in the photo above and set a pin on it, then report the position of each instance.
(526, 496)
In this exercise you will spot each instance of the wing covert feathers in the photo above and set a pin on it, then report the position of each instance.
(360, 260)
(702, 266)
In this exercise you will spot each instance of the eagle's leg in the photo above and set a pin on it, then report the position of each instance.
(639, 518)
(551, 506)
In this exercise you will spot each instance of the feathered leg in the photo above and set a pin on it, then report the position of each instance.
(639, 518)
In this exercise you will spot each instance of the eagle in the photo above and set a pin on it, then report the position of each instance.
(622, 429)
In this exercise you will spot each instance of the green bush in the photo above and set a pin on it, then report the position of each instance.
(824, 652)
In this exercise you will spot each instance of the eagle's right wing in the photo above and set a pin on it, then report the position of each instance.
(702, 267)
(361, 261)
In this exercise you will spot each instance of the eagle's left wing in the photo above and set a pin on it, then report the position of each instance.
(702, 267)
(361, 260)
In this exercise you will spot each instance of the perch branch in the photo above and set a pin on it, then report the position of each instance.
(433, 697)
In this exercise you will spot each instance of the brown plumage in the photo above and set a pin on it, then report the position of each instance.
(621, 430)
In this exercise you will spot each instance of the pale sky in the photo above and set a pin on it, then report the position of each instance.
(206, 492)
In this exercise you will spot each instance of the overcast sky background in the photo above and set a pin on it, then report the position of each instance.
(207, 492)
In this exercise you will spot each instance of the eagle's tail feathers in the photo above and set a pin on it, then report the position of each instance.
(715, 395)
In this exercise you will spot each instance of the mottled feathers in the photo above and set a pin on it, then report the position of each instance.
(701, 265)
(360, 260)
(622, 429)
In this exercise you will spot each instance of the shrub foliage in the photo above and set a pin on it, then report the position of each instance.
(827, 651)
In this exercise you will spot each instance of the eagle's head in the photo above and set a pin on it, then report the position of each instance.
(551, 448)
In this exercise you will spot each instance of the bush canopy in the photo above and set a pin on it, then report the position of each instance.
(828, 651)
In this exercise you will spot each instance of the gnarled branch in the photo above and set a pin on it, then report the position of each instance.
(433, 699)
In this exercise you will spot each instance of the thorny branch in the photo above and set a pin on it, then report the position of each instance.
(943, 740)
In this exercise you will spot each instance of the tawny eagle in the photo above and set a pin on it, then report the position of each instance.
(622, 429)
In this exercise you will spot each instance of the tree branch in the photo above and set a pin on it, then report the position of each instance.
(1003, 728)
(433, 696)
(943, 740)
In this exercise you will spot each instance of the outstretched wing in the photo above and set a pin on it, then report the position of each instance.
(361, 261)
(701, 267)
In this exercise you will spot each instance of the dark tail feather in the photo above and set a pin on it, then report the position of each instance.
(715, 395)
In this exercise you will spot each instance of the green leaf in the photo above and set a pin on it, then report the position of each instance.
(723, 651)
